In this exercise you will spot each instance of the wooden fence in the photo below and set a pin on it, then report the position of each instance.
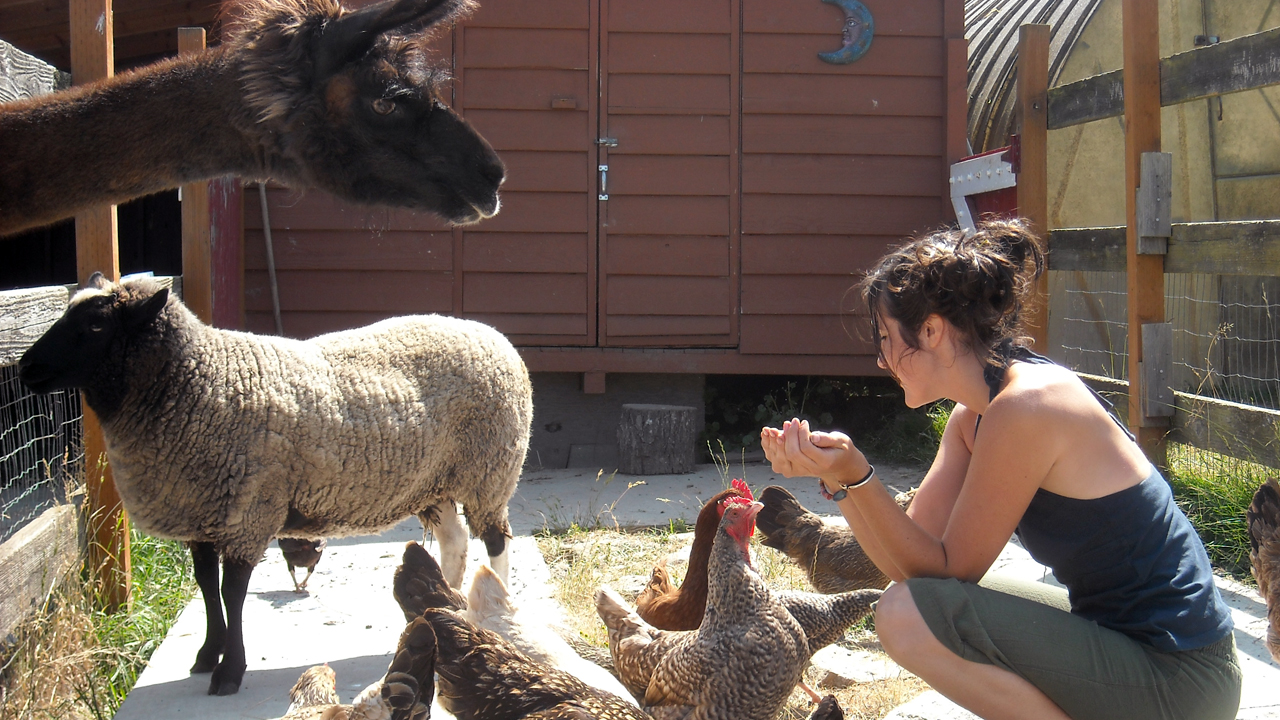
(1149, 245)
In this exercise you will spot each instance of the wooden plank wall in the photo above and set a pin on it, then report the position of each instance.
(526, 79)
(341, 266)
(839, 162)
(669, 234)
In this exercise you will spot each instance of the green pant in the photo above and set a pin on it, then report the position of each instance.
(1091, 672)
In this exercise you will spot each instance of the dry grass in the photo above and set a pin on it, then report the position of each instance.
(581, 561)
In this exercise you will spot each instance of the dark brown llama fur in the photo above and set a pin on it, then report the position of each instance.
(304, 92)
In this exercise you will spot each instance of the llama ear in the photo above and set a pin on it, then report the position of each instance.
(97, 281)
(351, 35)
(140, 313)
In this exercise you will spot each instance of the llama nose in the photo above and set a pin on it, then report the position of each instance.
(494, 172)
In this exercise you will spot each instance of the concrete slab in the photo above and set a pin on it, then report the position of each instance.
(350, 620)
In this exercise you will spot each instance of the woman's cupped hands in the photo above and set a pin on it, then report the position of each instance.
(796, 451)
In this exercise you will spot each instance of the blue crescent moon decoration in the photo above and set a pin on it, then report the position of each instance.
(859, 26)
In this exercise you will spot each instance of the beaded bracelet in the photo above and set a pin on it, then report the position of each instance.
(843, 492)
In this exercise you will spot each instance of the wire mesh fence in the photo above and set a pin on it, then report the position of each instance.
(1226, 331)
(41, 454)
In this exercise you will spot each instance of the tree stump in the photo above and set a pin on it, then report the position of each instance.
(657, 439)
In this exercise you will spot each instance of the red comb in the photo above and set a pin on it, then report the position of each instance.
(739, 502)
(741, 486)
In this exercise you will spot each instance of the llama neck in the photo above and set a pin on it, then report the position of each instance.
(134, 134)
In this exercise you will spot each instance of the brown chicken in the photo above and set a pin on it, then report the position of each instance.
(666, 607)
(829, 554)
(743, 660)
(301, 553)
(403, 694)
(484, 677)
(1263, 517)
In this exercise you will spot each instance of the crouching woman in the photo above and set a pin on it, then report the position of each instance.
(1140, 632)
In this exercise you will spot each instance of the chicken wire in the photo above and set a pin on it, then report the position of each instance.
(40, 451)
(1226, 332)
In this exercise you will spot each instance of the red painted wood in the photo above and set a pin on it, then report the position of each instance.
(339, 250)
(821, 334)
(535, 328)
(523, 89)
(841, 175)
(840, 214)
(395, 293)
(317, 210)
(813, 254)
(533, 130)
(669, 175)
(546, 171)
(667, 215)
(693, 360)
(525, 292)
(893, 17)
(808, 294)
(678, 16)
(795, 53)
(666, 295)
(525, 48)
(523, 14)
(525, 252)
(671, 135)
(539, 212)
(669, 94)
(226, 215)
(842, 95)
(842, 134)
(649, 327)
(310, 324)
(669, 53)
(668, 255)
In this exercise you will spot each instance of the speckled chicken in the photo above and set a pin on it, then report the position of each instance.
(404, 693)
(829, 554)
(1263, 517)
(743, 660)
(484, 677)
(667, 607)
(301, 553)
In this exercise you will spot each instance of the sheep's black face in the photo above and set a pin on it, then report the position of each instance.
(389, 139)
(71, 352)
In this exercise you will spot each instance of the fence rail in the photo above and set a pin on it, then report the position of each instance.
(1213, 248)
(1246, 63)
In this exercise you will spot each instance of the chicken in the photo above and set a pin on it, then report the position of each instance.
(301, 553)
(404, 693)
(419, 584)
(828, 709)
(664, 606)
(829, 554)
(743, 660)
(484, 677)
(1263, 517)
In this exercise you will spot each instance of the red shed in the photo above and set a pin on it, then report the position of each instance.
(691, 188)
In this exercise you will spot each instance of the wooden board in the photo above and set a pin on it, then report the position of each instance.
(335, 250)
(25, 315)
(801, 295)
(671, 135)
(832, 174)
(532, 293)
(669, 175)
(525, 252)
(666, 295)
(764, 132)
(839, 214)
(670, 94)
(823, 335)
(672, 255)
(1219, 248)
(671, 16)
(842, 95)
(671, 215)
(904, 17)
(813, 254)
(35, 561)
(526, 48)
(796, 53)
(669, 54)
(392, 293)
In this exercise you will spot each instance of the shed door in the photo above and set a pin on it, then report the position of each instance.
(553, 85)
(669, 125)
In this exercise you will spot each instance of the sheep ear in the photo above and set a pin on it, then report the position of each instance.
(351, 35)
(140, 313)
(97, 281)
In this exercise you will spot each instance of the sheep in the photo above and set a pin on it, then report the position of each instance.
(225, 439)
(304, 92)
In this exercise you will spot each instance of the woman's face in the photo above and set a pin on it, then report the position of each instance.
(908, 366)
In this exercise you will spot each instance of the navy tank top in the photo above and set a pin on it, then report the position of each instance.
(1131, 560)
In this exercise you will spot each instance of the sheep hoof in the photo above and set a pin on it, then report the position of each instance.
(225, 680)
(205, 662)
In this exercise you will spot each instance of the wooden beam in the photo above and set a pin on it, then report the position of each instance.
(1212, 248)
(1246, 63)
(1141, 24)
(92, 59)
(197, 246)
(1033, 175)
(226, 220)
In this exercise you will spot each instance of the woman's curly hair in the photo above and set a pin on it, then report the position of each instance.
(977, 283)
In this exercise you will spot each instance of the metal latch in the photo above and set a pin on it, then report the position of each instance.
(607, 142)
(604, 182)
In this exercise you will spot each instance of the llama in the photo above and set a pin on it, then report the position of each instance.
(304, 92)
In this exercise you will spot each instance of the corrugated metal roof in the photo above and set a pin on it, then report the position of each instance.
(991, 26)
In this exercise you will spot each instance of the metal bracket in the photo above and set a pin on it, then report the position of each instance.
(1155, 203)
(1157, 373)
(607, 142)
(983, 173)
(604, 182)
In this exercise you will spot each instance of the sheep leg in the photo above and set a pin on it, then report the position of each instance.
(235, 585)
(453, 536)
(495, 543)
(204, 560)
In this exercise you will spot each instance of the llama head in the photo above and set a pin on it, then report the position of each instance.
(348, 101)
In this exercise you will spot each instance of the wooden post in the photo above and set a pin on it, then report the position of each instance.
(197, 248)
(92, 58)
(1033, 175)
(1141, 31)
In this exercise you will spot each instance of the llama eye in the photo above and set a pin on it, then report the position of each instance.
(383, 106)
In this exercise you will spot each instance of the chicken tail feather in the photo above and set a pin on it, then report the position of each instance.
(409, 684)
(419, 584)
(779, 513)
